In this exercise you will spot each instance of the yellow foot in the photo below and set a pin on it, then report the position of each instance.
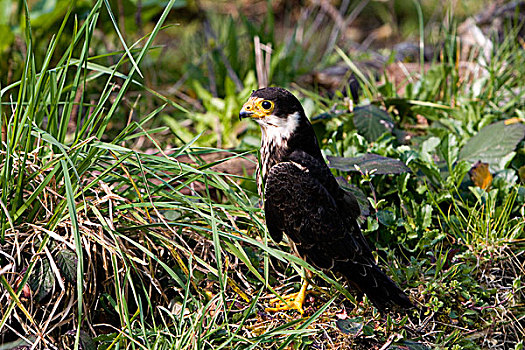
(293, 301)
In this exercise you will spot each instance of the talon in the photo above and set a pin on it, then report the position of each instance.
(293, 301)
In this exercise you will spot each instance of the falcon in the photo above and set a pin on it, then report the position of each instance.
(303, 200)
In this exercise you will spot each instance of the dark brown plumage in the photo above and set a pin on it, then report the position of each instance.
(304, 200)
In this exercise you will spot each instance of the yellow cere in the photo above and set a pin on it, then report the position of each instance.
(259, 107)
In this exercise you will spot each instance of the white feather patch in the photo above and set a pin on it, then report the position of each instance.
(278, 129)
(302, 168)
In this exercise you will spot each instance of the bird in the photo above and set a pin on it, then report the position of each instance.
(303, 200)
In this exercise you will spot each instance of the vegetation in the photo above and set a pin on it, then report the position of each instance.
(128, 209)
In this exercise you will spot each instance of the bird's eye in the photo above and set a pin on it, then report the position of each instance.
(266, 104)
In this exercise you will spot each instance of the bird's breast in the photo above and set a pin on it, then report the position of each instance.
(272, 153)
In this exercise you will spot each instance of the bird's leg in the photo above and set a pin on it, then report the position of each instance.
(293, 301)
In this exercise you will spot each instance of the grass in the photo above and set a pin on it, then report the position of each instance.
(123, 225)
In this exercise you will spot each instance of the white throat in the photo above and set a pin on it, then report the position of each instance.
(274, 141)
(278, 130)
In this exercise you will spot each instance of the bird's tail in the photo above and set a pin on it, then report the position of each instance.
(379, 288)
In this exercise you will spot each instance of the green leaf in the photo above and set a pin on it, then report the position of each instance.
(67, 263)
(449, 149)
(6, 34)
(368, 163)
(372, 122)
(350, 326)
(5, 13)
(386, 217)
(85, 340)
(41, 279)
(323, 117)
(494, 144)
(409, 345)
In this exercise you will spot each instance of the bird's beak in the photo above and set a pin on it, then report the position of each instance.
(250, 110)
(244, 114)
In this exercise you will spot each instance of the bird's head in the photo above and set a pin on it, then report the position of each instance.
(276, 110)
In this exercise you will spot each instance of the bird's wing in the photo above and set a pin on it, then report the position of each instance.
(299, 205)
(318, 169)
(347, 204)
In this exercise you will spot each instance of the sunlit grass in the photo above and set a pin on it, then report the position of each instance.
(106, 241)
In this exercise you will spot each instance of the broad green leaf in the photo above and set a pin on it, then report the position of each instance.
(369, 163)
(67, 263)
(521, 172)
(429, 145)
(354, 326)
(349, 326)
(41, 279)
(372, 122)
(409, 345)
(449, 149)
(386, 217)
(85, 340)
(494, 144)
(324, 117)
